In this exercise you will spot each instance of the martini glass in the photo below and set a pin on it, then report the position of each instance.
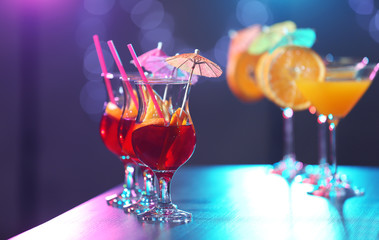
(344, 85)
(164, 144)
(148, 197)
(109, 127)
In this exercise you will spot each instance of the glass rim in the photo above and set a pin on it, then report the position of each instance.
(157, 80)
(135, 77)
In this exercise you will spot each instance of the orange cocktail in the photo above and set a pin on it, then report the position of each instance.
(334, 97)
(340, 91)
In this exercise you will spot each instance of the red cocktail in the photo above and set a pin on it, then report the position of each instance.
(110, 132)
(164, 148)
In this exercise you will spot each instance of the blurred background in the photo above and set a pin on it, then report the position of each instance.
(52, 157)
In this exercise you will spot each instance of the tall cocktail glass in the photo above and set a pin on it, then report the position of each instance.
(109, 132)
(164, 144)
(148, 197)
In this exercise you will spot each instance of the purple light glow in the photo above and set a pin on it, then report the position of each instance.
(221, 50)
(149, 39)
(92, 97)
(87, 29)
(362, 7)
(252, 12)
(128, 5)
(98, 7)
(91, 62)
(147, 14)
(45, 8)
(374, 27)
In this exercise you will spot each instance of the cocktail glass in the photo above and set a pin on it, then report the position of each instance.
(164, 144)
(288, 167)
(109, 130)
(148, 197)
(344, 85)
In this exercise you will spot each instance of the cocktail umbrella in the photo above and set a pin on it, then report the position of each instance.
(193, 63)
(304, 37)
(159, 67)
(156, 52)
(241, 40)
(270, 36)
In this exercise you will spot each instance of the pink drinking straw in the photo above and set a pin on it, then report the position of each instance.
(103, 68)
(122, 71)
(149, 89)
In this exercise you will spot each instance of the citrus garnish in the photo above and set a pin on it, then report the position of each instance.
(151, 121)
(261, 73)
(131, 111)
(179, 117)
(113, 110)
(283, 68)
(240, 75)
(151, 111)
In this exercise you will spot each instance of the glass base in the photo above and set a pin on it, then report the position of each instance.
(288, 167)
(337, 189)
(315, 175)
(165, 213)
(127, 197)
(145, 203)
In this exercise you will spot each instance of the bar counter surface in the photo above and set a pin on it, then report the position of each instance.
(231, 202)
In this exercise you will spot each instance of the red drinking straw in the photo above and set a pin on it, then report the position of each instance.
(122, 71)
(103, 68)
(149, 89)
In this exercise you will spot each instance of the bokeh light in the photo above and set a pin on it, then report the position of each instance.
(87, 28)
(91, 61)
(147, 14)
(98, 7)
(250, 12)
(149, 39)
(374, 27)
(287, 113)
(363, 21)
(221, 50)
(163, 33)
(362, 7)
(127, 5)
(92, 97)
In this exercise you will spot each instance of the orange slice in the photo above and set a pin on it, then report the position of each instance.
(261, 74)
(177, 119)
(131, 112)
(151, 111)
(152, 121)
(113, 110)
(240, 76)
(284, 67)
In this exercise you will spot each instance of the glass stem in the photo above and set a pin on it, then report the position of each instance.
(164, 195)
(322, 152)
(289, 152)
(148, 179)
(333, 153)
(129, 176)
